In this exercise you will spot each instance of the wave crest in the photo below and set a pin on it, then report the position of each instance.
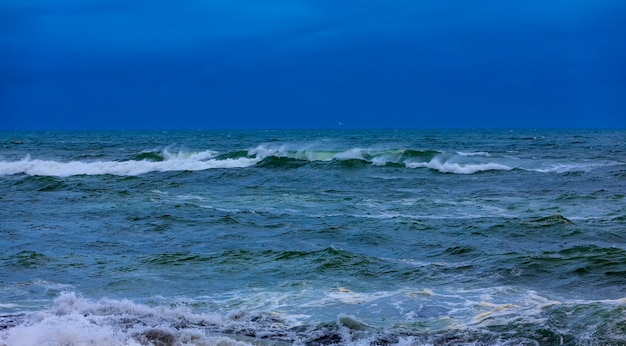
(291, 156)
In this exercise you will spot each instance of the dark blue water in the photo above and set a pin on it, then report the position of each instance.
(313, 237)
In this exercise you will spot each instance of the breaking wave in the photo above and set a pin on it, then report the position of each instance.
(528, 319)
(285, 156)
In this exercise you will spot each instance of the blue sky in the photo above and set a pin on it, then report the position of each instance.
(155, 64)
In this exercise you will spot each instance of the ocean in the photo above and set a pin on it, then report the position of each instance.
(313, 237)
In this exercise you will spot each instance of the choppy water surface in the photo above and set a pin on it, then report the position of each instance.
(313, 237)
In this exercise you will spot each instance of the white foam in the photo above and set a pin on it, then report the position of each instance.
(462, 163)
(565, 167)
(8, 306)
(344, 296)
(77, 321)
(352, 154)
(469, 168)
(182, 155)
(457, 162)
(412, 164)
(303, 152)
(63, 330)
(313, 152)
(72, 320)
(477, 153)
(121, 168)
(474, 162)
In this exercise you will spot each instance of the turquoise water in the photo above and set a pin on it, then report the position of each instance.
(313, 237)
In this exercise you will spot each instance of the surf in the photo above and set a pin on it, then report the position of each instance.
(192, 162)
(287, 155)
(492, 316)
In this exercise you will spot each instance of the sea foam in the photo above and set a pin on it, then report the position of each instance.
(76, 321)
(464, 316)
(458, 162)
(122, 168)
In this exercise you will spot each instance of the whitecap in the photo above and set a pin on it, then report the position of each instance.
(464, 168)
(122, 168)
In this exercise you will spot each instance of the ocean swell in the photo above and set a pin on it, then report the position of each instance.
(289, 156)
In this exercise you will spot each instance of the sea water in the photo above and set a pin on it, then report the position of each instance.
(370, 237)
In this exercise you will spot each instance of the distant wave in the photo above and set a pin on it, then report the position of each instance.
(286, 156)
(124, 168)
